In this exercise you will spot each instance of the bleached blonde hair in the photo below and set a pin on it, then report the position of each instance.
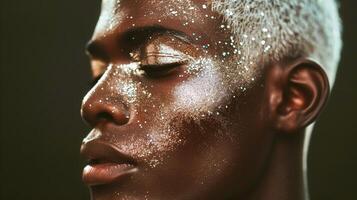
(281, 28)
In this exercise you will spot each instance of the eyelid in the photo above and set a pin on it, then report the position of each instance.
(162, 53)
(157, 71)
(162, 59)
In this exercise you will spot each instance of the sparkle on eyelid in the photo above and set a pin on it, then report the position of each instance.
(168, 54)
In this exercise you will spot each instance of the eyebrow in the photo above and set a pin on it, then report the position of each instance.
(141, 35)
(156, 29)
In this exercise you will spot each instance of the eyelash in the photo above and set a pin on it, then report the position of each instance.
(151, 71)
(160, 70)
(157, 68)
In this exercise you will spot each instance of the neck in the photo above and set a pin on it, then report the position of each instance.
(284, 177)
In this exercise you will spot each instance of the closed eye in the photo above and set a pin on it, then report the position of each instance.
(160, 70)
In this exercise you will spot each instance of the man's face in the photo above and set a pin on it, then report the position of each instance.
(174, 115)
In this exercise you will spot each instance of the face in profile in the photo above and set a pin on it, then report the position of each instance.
(177, 111)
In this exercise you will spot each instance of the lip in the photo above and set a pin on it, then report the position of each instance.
(105, 173)
(106, 164)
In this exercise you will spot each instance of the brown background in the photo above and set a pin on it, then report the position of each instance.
(44, 74)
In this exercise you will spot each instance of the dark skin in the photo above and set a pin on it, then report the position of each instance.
(169, 124)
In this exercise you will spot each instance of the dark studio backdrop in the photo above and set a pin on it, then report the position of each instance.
(45, 74)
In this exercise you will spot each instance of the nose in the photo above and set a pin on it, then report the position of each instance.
(98, 108)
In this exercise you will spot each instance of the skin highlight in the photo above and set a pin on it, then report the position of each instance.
(182, 117)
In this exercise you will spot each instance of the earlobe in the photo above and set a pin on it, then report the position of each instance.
(304, 89)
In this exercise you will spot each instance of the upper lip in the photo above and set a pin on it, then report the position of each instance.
(100, 152)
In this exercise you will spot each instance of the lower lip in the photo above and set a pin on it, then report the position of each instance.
(100, 174)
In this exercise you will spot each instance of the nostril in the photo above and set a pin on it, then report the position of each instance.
(121, 118)
(104, 116)
(118, 116)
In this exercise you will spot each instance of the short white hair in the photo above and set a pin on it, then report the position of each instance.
(286, 28)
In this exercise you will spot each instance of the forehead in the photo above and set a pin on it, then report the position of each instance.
(154, 5)
(190, 16)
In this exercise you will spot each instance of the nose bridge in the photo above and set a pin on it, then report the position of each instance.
(107, 101)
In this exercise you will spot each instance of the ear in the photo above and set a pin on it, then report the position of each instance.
(299, 95)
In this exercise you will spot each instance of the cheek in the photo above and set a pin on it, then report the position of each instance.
(195, 120)
(183, 117)
(225, 131)
(203, 93)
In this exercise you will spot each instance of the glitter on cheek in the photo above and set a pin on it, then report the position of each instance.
(161, 140)
(161, 144)
(204, 91)
(153, 145)
(199, 99)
